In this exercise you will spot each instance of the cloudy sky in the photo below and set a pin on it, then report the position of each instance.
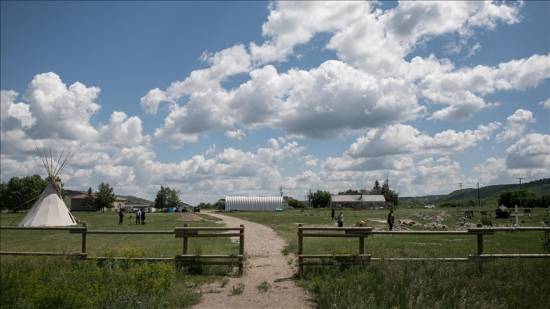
(241, 98)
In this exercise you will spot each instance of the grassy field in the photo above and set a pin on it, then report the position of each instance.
(56, 282)
(286, 223)
(29, 282)
(98, 245)
(497, 284)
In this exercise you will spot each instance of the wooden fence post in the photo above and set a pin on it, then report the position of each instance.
(479, 243)
(241, 249)
(480, 251)
(185, 242)
(83, 249)
(362, 245)
(300, 250)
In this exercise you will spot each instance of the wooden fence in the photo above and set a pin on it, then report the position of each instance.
(184, 233)
(363, 232)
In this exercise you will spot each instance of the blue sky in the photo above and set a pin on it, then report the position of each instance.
(303, 95)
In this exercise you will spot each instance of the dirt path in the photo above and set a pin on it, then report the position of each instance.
(265, 263)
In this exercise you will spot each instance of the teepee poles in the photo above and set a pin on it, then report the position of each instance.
(54, 164)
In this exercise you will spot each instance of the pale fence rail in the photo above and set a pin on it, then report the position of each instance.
(184, 233)
(363, 232)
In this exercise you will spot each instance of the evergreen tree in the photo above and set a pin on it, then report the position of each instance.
(376, 189)
(105, 196)
(160, 200)
(89, 202)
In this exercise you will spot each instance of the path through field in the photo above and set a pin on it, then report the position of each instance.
(265, 263)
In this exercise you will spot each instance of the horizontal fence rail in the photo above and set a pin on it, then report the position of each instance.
(363, 232)
(184, 233)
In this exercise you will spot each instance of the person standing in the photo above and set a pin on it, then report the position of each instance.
(391, 219)
(138, 216)
(332, 215)
(341, 219)
(120, 216)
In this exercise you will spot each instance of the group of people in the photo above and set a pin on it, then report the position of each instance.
(340, 219)
(140, 216)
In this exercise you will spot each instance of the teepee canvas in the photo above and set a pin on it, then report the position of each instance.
(49, 209)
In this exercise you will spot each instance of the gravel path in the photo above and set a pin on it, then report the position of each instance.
(265, 263)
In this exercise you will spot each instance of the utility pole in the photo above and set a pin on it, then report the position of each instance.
(520, 179)
(460, 184)
(478, 199)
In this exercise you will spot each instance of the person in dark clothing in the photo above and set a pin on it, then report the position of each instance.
(340, 219)
(391, 219)
(120, 216)
(332, 215)
(143, 216)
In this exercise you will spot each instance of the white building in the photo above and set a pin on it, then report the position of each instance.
(255, 203)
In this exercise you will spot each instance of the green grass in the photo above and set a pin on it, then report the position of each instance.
(501, 284)
(286, 223)
(237, 289)
(48, 282)
(98, 245)
(497, 284)
(56, 282)
(263, 287)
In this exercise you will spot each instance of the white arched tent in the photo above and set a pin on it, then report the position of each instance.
(49, 209)
(255, 203)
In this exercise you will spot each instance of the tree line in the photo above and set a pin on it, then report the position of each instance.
(20, 193)
(523, 198)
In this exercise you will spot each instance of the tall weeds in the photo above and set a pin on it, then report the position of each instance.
(497, 284)
(64, 283)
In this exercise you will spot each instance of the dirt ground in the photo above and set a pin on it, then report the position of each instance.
(267, 280)
(188, 216)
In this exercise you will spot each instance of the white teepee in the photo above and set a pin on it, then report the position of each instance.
(49, 209)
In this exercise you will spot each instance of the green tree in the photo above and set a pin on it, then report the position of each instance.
(161, 199)
(350, 192)
(390, 195)
(521, 197)
(220, 204)
(21, 193)
(167, 197)
(172, 198)
(320, 199)
(376, 189)
(104, 196)
(296, 203)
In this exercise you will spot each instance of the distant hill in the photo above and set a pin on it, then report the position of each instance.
(71, 193)
(136, 200)
(488, 194)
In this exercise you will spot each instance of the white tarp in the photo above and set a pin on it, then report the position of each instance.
(48, 210)
(254, 203)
